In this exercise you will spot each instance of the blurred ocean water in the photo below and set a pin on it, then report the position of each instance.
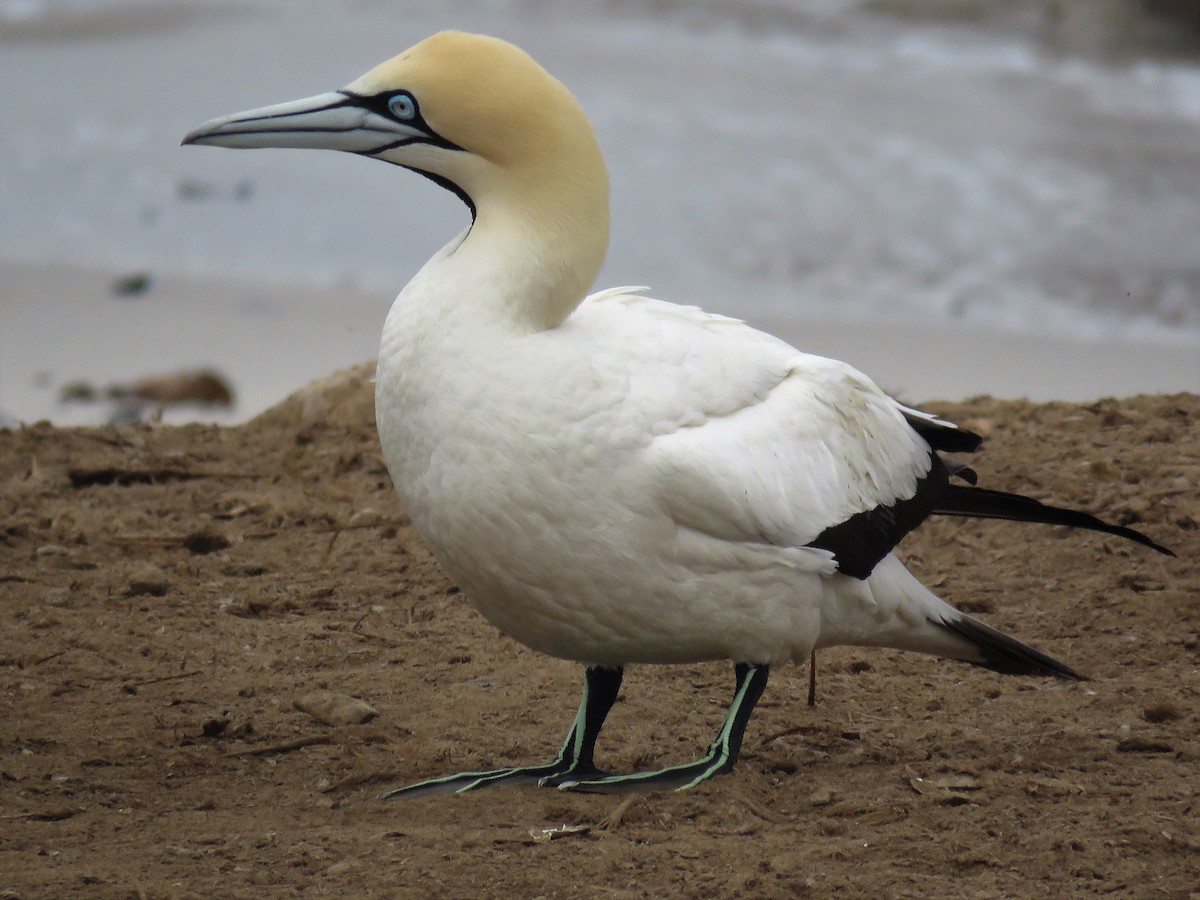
(815, 159)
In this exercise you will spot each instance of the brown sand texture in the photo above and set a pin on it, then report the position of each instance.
(169, 592)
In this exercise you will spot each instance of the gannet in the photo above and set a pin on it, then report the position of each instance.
(613, 479)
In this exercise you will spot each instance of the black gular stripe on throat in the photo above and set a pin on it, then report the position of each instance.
(860, 542)
(378, 104)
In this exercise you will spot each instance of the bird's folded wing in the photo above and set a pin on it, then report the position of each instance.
(821, 445)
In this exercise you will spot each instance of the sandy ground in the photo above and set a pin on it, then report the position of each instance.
(169, 592)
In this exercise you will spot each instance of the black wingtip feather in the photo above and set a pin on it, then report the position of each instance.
(1002, 653)
(944, 436)
(981, 503)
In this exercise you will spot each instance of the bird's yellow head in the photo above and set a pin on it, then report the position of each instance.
(475, 113)
(480, 117)
(481, 94)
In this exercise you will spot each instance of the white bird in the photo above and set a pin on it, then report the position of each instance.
(614, 479)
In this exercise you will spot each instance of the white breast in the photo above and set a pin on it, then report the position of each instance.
(633, 486)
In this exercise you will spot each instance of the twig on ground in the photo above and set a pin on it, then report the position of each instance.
(163, 678)
(287, 746)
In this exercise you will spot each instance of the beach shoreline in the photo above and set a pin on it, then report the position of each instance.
(62, 323)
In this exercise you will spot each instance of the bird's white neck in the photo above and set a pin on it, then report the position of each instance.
(522, 267)
(530, 267)
(535, 247)
(541, 222)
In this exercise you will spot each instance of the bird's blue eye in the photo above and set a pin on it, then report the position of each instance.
(402, 106)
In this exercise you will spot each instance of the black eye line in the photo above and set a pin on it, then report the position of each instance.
(378, 104)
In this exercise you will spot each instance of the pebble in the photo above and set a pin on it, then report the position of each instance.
(335, 709)
(56, 556)
(822, 797)
(150, 580)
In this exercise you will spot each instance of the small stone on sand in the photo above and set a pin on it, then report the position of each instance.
(335, 709)
(150, 580)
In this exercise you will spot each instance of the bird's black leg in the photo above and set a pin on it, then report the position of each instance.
(574, 760)
(722, 753)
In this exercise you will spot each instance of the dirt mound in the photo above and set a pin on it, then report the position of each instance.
(169, 593)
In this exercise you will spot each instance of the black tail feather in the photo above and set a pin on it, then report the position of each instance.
(981, 503)
(1002, 653)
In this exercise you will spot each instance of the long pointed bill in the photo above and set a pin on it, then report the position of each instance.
(333, 121)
